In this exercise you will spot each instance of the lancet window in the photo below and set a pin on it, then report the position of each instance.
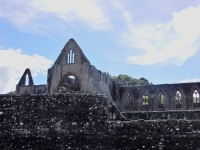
(196, 97)
(128, 99)
(145, 99)
(70, 57)
(27, 80)
(178, 97)
(160, 99)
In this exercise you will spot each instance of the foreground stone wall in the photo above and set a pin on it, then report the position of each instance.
(46, 114)
(162, 134)
(72, 121)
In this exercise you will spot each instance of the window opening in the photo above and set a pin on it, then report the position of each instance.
(27, 80)
(70, 83)
(196, 97)
(161, 99)
(145, 100)
(178, 97)
(70, 57)
(73, 58)
(127, 99)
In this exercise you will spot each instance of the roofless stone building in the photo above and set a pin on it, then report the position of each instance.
(73, 71)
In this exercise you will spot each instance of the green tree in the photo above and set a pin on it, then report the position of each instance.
(129, 81)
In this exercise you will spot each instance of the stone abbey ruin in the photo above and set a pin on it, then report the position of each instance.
(81, 107)
(72, 71)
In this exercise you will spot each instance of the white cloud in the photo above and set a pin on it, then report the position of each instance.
(13, 63)
(37, 14)
(86, 11)
(190, 80)
(170, 43)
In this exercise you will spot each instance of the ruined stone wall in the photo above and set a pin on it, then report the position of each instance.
(79, 67)
(45, 113)
(90, 79)
(72, 121)
(39, 89)
(31, 89)
(94, 79)
(98, 81)
(159, 134)
(88, 76)
(21, 89)
(47, 116)
(167, 115)
(168, 91)
(60, 72)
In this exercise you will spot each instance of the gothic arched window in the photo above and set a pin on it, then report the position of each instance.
(178, 97)
(70, 57)
(196, 97)
(160, 99)
(127, 99)
(145, 101)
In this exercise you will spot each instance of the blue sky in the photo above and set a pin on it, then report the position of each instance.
(155, 39)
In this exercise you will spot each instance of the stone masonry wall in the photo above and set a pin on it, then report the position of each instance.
(39, 89)
(72, 121)
(159, 134)
(166, 115)
(88, 76)
(25, 89)
(61, 68)
(46, 116)
(152, 91)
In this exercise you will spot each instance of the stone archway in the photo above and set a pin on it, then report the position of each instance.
(69, 82)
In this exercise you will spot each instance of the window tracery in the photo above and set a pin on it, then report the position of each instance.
(145, 100)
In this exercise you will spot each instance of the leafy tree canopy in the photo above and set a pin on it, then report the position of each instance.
(129, 81)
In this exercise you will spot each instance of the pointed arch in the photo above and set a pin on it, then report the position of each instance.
(22, 81)
(128, 101)
(190, 99)
(178, 98)
(194, 100)
(144, 103)
(145, 99)
(196, 97)
(161, 98)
